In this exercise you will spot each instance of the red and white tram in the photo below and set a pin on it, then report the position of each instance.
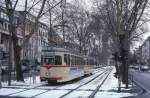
(60, 65)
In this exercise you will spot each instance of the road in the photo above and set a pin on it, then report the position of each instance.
(141, 78)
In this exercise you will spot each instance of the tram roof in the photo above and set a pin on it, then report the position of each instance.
(55, 49)
(59, 49)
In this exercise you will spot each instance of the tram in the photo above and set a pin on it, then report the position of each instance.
(61, 65)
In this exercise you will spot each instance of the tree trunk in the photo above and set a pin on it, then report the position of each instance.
(80, 45)
(17, 54)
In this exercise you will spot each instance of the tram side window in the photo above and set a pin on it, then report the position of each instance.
(88, 62)
(82, 62)
(58, 60)
(91, 62)
(85, 62)
(78, 61)
(67, 59)
(72, 60)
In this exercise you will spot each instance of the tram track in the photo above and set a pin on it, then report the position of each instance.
(105, 72)
(99, 86)
(71, 89)
(55, 88)
(26, 89)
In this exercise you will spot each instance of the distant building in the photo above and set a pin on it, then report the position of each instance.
(143, 52)
(146, 51)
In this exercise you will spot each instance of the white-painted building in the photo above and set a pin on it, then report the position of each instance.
(42, 39)
(37, 42)
(39, 39)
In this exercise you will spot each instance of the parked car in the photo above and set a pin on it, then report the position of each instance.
(135, 67)
(145, 68)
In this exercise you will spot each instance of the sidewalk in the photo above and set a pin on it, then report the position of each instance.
(110, 89)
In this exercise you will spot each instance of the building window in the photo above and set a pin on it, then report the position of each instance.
(5, 26)
(41, 43)
(2, 41)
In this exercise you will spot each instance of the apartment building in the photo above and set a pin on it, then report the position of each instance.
(42, 39)
(4, 33)
(39, 40)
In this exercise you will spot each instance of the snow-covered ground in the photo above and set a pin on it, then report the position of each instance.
(110, 87)
(42, 90)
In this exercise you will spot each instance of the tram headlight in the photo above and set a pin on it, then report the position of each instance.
(47, 74)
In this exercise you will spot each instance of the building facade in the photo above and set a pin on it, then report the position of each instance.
(39, 39)
(33, 47)
(143, 53)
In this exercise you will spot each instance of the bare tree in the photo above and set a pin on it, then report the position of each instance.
(14, 47)
(122, 18)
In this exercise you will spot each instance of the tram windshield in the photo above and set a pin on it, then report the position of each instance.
(49, 60)
(53, 60)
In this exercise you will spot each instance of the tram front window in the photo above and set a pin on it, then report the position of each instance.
(56, 60)
(49, 61)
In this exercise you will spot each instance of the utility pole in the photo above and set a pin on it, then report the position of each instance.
(1, 56)
(24, 29)
(127, 46)
(63, 24)
(50, 33)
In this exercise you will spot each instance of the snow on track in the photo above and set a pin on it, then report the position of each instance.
(101, 74)
(7, 91)
(29, 93)
(88, 87)
(79, 94)
(92, 85)
(81, 82)
(52, 94)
